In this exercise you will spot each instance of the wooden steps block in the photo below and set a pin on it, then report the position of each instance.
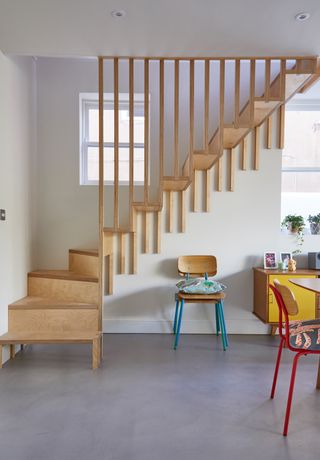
(76, 337)
(62, 275)
(149, 207)
(84, 262)
(31, 302)
(203, 161)
(175, 184)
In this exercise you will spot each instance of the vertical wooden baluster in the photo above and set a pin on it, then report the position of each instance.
(231, 170)
(195, 187)
(161, 122)
(176, 118)
(116, 142)
(170, 210)
(191, 121)
(101, 194)
(158, 243)
(269, 132)
(146, 131)
(208, 190)
(281, 126)
(219, 175)
(256, 161)
(122, 252)
(183, 211)
(237, 94)
(221, 111)
(206, 105)
(244, 153)
(110, 274)
(146, 232)
(131, 139)
(108, 251)
(252, 90)
(267, 79)
(283, 66)
(134, 243)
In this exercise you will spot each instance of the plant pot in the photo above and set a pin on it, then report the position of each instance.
(315, 229)
(293, 230)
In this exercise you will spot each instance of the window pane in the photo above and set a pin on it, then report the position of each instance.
(302, 139)
(93, 125)
(296, 182)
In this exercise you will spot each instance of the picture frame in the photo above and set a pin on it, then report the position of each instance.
(270, 260)
(284, 258)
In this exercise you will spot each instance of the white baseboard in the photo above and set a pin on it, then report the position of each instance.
(133, 326)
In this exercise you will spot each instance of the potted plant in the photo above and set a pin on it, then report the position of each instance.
(295, 224)
(314, 222)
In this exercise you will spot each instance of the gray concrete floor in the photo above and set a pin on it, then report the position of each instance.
(148, 402)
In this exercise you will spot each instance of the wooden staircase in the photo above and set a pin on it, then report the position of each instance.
(62, 306)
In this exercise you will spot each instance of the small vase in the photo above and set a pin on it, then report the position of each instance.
(314, 229)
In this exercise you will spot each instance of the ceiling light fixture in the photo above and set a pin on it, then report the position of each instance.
(117, 14)
(302, 16)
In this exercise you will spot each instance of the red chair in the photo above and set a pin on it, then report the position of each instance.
(301, 337)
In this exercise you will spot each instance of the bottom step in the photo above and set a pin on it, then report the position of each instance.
(95, 338)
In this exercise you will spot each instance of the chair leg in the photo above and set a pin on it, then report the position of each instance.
(217, 320)
(176, 317)
(223, 336)
(223, 324)
(291, 388)
(275, 376)
(176, 342)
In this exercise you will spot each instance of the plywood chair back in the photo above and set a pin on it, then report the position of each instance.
(197, 265)
(288, 298)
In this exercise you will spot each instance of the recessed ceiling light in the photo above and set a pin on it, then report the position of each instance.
(302, 16)
(118, 14)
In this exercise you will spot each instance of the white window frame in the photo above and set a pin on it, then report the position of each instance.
(91, 100)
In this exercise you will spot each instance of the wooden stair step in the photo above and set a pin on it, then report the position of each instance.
(149, 207)
(117, 230)
(203, 160)
(175, 184)
(62, 275)
(85, 252)
(48, 337)
(33, 302)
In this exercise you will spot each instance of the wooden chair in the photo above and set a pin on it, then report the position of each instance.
(199, 266)
(301, 337)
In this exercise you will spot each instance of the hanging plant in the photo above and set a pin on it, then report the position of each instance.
(295, 225)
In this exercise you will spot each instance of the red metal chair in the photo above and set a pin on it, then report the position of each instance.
(301, 337)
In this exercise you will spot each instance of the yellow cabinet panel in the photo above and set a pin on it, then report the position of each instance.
(306, 299)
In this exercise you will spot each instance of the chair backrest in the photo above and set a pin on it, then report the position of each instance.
(288, 298)
(197, 265)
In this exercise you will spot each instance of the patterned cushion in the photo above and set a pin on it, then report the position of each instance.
(305, 334)
(200, 286)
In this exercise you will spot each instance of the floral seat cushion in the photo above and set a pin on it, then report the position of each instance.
(305, 334)
(200, 286)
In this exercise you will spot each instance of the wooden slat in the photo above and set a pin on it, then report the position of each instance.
(116, 142)
(244, 153)
(110, 274)
(195, 190)
(176, 119)
(269, 132)
(133, 253)
(170, 211)
(231, 170)
(191, 118)
(219, 175)
(208, 190)
(252, 90)
(101, 194)
(237, 94)
(146, 232)
(206, 105)
(146, 131)
(267, 80)
(221, 102)
(256, 156)
(131, 138)
(158, 239)
(183, 211)
(281, 126)
(282, 94)
(161, 121)
(122, 252)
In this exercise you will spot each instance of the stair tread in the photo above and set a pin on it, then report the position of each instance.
(63, 275)
(49, 337)
(32, 302)
(85, 252)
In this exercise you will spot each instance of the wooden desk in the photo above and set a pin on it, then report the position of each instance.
(311, 284)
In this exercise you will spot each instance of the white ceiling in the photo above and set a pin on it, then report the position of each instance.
(159, 28)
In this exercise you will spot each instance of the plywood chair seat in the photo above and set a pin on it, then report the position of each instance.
(199, 265)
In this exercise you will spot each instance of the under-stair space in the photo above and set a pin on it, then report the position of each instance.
(62, 306)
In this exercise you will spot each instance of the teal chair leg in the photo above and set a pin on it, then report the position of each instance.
(217, 320)
(176, 342)
(223, 327)
(176, 316)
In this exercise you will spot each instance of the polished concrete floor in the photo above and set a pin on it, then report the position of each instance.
(148, 402)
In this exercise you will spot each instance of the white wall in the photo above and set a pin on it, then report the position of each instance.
(17, 79)
(240, 227)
